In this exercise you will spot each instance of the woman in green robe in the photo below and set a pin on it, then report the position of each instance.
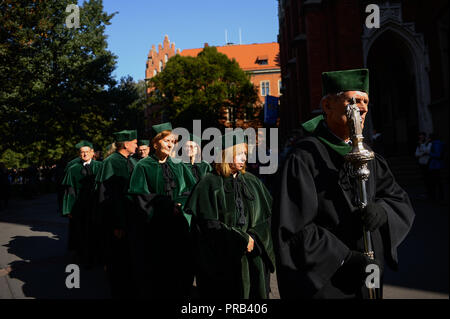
(192, 149)
(231, 224)
(160, 187)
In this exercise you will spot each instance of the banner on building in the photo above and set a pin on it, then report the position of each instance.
(271, 110)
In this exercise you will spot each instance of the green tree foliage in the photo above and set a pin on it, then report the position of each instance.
(56, 84)
(12, 159)
(200, 87)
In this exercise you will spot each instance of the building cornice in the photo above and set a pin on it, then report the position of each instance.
(278, 70)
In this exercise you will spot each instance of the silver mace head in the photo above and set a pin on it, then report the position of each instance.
(359, 155)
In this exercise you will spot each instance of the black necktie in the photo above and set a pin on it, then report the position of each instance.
(169, 182)
(195, 172)
(238, 188)
(86, 170)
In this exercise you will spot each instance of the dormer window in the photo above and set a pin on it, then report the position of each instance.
(262, 60)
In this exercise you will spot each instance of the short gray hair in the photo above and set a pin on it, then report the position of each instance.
(330, 96)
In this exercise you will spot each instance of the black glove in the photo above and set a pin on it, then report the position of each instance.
(373, 216)
(351, 276)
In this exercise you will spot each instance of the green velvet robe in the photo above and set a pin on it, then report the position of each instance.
(115, 207)
(76, 160)
(75, 181)
(161, 252)
(148, 179)
(112, 182)
(224, 268)
(79, 201)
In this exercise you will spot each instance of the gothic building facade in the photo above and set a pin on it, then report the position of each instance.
(406, 52)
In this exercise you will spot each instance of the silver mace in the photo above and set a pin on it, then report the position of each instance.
(358, 158)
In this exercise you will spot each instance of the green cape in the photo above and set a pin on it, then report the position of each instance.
(74, 179)
(203, 168)
(316, 127)
(221, 243)
(147, 178)
(115, 164)
(76, 160)
(112, 182)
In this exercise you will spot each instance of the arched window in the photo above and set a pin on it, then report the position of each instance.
(155, 72)
(160, 66)
(166, 58)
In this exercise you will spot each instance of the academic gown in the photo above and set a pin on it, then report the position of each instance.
(226, 211)
(162, 254)
(199, 169)
(316, 222)
(76, 160)
(79, 200)
(115, 206)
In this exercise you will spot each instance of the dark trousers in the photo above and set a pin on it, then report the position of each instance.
(118, 269)
(426, 175)
(436, 185)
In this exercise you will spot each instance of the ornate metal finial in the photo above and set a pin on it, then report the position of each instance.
(359, 155)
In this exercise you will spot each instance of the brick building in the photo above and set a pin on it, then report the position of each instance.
(156, 61)
(407, 57)
(259, 60)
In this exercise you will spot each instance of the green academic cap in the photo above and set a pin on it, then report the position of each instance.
(233, 138)
(125, 135)
(143, 142)
(84, 143)
(347, 80)
(162, 127)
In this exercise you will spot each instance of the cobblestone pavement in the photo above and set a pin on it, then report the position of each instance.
(33, 255)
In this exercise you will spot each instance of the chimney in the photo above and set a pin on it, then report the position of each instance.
(206, 45)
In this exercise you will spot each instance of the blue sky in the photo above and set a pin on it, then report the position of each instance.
(188, 23)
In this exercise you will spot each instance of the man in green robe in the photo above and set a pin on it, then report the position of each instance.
(143, 149)
(115, 205)
(79, 205)
(231, 226)
(317, 223)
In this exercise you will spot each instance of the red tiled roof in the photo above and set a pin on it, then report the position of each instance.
(247, 54)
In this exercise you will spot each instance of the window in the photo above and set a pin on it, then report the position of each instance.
(155, 72)
(230, 114)
(262, 60)
(160, 66)
(279, 87)
(265, 88)
(166, 58)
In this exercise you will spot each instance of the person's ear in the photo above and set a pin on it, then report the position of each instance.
(326, 105)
